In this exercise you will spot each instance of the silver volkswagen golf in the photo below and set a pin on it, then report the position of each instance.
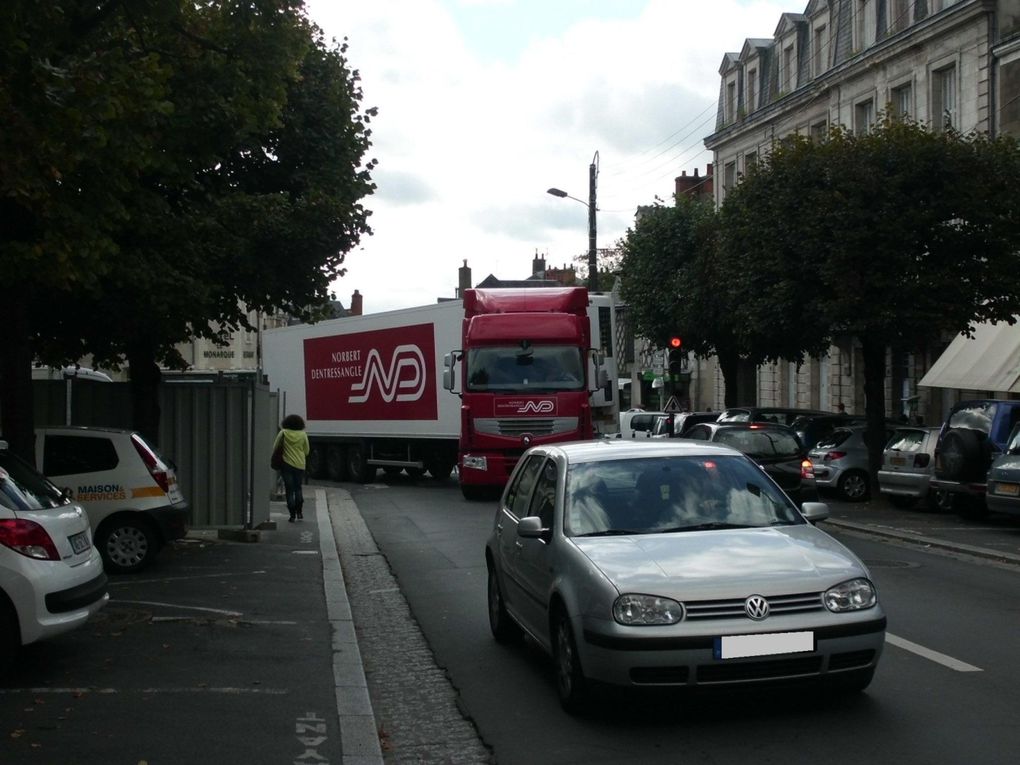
(673, 563)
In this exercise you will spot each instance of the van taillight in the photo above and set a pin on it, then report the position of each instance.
(921, 460)
(152, 463)
(28, 538)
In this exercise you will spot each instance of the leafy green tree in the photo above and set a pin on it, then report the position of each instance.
(895, 238)
(246, 192)
(670, 276)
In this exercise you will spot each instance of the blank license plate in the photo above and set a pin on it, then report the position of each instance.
(79, 542)
(770, 644)
(1009, 489)
(898, 460)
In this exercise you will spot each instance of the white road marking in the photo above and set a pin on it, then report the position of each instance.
(935, 656)
(177, 605)
(182, 578)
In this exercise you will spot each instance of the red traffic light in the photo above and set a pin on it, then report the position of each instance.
(675, 342)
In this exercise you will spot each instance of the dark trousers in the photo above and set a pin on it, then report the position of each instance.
(292, 479)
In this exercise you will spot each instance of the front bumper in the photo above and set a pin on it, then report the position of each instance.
(690, 661)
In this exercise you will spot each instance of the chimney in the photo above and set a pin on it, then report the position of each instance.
(356, 304)
(463, 279)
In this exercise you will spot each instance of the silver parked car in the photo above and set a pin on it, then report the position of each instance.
(841, 462)
(1004, 477)
(674, 563)
(908, 462)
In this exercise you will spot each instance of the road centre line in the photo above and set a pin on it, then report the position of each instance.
(927, 653)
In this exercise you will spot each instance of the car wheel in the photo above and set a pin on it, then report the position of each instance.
(853, 682)
(940, 501)
(570, 681)
(854, 486)
(127, 545)
(10, 635)
(903, 503)
(503, 627)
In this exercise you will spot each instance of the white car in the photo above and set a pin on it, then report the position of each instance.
(51, 575)
(675, 563)
(128, 489)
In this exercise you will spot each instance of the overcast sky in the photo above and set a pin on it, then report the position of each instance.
(485, 104)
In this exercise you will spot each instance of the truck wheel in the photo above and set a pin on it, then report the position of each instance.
(315, 462)
(336, 463)
(357, 465)
(439, 469)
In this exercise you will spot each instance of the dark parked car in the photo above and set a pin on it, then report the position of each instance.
(974, 434)
(774, 447)
(812, 428)
(780, 414)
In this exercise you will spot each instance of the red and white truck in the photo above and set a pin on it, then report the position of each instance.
(519, 367)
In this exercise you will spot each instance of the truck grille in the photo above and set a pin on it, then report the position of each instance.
(733, 608)
(518, 426)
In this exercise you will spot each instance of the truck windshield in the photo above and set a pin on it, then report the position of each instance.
(536, 368)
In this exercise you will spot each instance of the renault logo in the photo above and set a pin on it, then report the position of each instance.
(756, 607)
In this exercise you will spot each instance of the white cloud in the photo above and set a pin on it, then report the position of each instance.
(468, 143)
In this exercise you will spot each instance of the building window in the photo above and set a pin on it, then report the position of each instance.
(729, 175)
(901, 101)
(750, 160)
(865, 24)
(819, 131)
(864, 117)
(752, 90)
(820, 51)
(789, 77)
(943, 99)
(901, 15)
(731, 101)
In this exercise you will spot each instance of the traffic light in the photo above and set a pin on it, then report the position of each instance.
(676, 357)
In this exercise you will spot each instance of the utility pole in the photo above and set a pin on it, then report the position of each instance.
(593, 273)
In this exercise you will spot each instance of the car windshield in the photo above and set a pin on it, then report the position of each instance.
(651, 495)
(760, 442)
(531, 368)
(23, 488)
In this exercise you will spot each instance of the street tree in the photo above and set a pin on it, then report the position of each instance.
(670, 277)
(896, 238)
(251, 197)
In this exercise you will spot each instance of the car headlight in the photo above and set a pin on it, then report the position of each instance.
(476, 462)
(855, 595)
(647, 610)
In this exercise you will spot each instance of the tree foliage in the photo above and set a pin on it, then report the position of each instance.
(895, 237)
(186, 162)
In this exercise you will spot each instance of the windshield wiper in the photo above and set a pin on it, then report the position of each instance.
(708, 526)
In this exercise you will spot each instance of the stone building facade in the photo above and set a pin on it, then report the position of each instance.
(843, 62)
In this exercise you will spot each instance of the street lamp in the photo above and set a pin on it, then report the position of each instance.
(593, 174)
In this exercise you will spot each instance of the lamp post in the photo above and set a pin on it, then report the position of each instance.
(593, 175)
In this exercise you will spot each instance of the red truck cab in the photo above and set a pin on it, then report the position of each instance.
(525, 378)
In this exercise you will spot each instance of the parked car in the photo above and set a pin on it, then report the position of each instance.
(128, 489)
(812, 428)
(908, 462)
(779, 414)
(1003, 494)
(971, 439)
(682, 422)
(674, 563)
(637, 423)
(774, 447)
(841, 462)
(51, 575)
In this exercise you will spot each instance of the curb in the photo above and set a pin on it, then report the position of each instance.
(920, 540)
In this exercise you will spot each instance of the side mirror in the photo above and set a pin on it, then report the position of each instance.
(449, 364)
(814, 511)
(531, 528)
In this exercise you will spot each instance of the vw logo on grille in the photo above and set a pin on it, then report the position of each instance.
(756, 607)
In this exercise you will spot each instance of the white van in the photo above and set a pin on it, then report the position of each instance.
(637, 423)
(129, 491)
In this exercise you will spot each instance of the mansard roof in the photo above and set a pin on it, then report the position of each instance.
(788, 22)
(730, 61)
(754, 45)
(815, 6)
